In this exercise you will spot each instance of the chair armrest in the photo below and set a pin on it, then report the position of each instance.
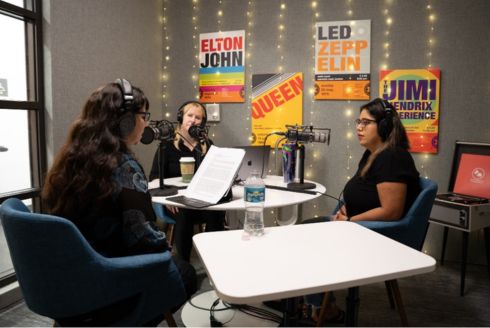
(387, 228)
(107, 280)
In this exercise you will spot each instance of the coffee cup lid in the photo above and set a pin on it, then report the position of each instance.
(187, 159)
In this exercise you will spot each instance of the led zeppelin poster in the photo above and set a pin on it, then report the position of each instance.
(222, 67)
(342, 60)
(415, 94)
(277, 100)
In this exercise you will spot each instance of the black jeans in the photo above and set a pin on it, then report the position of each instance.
(184, 228)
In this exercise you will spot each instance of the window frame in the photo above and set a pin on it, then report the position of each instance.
(35, 109)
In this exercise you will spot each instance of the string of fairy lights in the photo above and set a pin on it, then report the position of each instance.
(166, 60)
(315, 15)
(219, 15)
(281, 29)
(431, 18)
(348, 113)
(195, 45)
(388, 20)
(248, 60)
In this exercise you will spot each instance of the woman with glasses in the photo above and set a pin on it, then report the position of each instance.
(384, 187)
(97, 183)
(386, 182)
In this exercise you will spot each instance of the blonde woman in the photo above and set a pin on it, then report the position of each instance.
(190, 113)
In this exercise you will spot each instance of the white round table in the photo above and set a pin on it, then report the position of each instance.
(273, 198)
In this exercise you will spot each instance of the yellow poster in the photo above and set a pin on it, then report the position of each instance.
(277, 101)
(342, 60)
(415, 95)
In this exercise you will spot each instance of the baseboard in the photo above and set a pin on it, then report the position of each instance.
(10, 294)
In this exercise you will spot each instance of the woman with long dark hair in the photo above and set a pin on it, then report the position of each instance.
(97, 183)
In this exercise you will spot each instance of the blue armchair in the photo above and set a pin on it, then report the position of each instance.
(412, 228)
(409, 230)
(61, 276)
(167, 220)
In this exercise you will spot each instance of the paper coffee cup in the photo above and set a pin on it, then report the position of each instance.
(187, 168)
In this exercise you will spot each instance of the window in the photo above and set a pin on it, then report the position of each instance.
(22, 147)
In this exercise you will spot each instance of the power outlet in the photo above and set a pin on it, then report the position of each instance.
(213, 112)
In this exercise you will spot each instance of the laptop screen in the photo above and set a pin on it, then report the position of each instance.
(473, 176)
(255, 158)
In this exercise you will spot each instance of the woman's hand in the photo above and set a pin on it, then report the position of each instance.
(172, 209)
(341, 215)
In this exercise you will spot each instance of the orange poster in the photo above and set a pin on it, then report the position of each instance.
(342, 60)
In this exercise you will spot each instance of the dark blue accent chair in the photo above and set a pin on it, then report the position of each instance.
(62, 276)
(412, 228)
(164, 218)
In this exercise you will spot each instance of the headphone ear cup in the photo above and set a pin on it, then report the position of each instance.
(180, 115)
(385, 126)
(127, 124)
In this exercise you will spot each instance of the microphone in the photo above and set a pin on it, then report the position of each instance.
(158, 130)
(294, 135)
(198, 132)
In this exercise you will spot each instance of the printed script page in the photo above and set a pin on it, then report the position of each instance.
(215, 175)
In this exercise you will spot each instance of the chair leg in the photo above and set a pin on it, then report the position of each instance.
(398, 301)
(390, 295)
(323, 310)
(170, 319)
(170, 234)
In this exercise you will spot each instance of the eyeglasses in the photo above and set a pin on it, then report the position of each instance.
(362, 123)
(145, 114)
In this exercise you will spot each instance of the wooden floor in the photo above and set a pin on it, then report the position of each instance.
(431, 300)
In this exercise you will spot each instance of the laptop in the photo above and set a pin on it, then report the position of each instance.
(256, 158)
(470, 176)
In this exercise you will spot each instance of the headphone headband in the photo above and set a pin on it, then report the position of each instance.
(127, 120)
(387, 107)
(127, 93)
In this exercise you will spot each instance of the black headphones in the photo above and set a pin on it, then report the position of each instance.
(127, 121)
(180, 113)
(385, 125)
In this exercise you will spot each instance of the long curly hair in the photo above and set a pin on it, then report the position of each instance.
(395, 136)
(81, 173)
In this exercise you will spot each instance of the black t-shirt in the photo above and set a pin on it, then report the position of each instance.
(391, 165)
(171, 159)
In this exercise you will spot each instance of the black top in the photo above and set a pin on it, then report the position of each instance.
(171, 157)
(124, 224)
(391, 165)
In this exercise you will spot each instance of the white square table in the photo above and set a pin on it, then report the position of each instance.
(296, 260)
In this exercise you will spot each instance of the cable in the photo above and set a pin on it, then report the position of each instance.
(259, 313)
(263, 153)
(213, 321)
(227, 307)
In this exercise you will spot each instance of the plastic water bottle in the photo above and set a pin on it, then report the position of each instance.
(254, 196)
